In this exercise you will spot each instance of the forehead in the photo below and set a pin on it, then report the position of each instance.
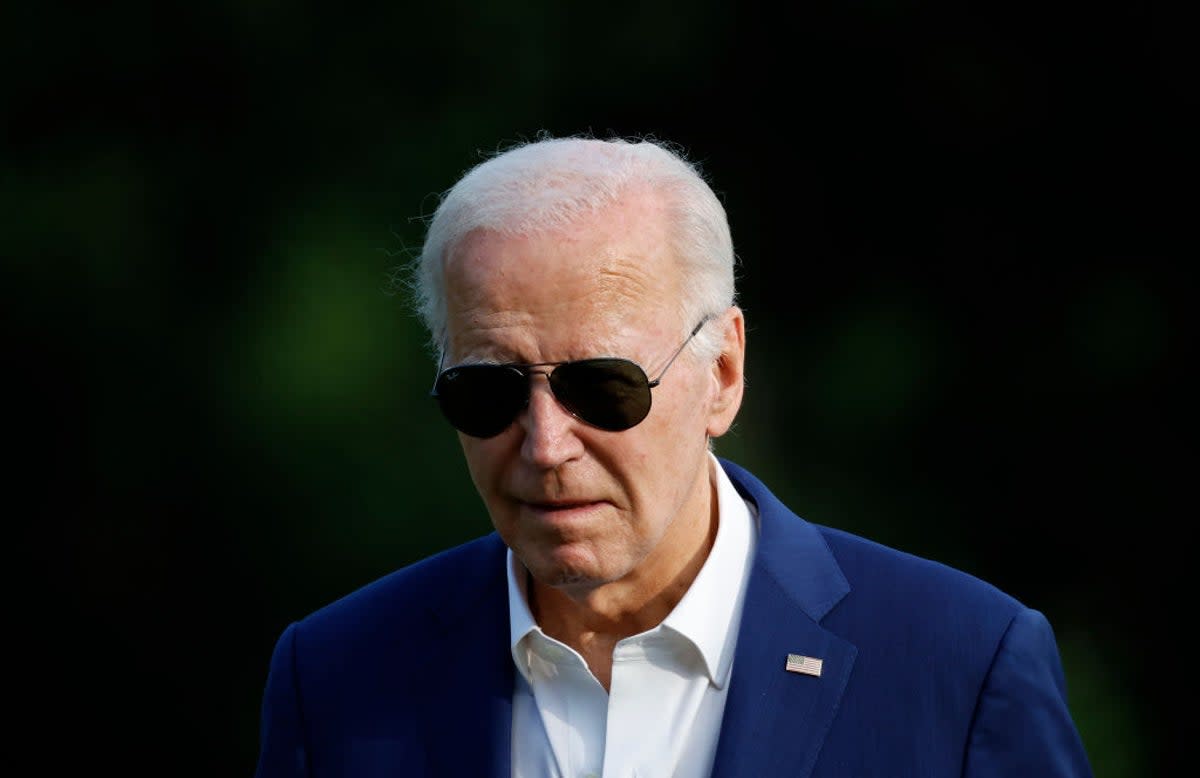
(586, 286)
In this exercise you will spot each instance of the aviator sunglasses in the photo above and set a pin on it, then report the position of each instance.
(610, 393)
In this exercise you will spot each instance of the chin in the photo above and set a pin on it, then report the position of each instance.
(570, 580)
(561, 575)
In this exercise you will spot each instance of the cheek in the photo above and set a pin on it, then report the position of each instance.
(673, 442)
(651, 462)
(483, 458)
(681, 415)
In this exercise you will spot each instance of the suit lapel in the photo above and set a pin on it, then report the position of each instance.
(775, 721)
(468, 685)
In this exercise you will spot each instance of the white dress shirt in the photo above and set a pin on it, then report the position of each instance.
(662, 717)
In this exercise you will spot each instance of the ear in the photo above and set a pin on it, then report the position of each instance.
(727, 372)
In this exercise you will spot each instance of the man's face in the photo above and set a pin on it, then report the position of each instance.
(580, 506)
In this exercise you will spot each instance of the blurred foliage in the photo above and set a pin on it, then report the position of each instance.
(962, 257)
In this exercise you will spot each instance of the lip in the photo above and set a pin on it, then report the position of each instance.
(562, 511)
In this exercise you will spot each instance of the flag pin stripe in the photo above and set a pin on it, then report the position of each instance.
(796, 663)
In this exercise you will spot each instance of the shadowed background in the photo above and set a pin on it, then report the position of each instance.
(961, 235)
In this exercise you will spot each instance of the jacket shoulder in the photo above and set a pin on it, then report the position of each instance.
(870, 563)
(408, 600)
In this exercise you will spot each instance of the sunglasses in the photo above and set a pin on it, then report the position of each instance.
(613, 394)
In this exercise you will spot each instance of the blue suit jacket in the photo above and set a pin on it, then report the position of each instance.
(927, 671)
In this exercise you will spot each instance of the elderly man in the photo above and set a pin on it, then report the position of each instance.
(644, 608)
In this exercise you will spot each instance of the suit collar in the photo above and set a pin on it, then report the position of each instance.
(467, 686)
(791, 551)
(775, 721)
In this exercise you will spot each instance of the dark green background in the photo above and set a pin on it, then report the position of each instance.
(962, 234)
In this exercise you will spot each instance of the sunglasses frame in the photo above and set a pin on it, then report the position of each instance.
(529, 370)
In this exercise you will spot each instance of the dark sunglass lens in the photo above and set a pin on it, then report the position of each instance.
(482, 400)
(612, 394)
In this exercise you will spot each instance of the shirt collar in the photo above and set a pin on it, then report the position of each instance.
(710, 610)
(520, 618)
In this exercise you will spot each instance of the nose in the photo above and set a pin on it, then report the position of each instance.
(550, 438)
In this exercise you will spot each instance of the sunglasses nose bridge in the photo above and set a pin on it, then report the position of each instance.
(545, 372)
(549, 427)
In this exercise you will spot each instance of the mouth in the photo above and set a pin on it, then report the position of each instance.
(562, 510)
(559, 505)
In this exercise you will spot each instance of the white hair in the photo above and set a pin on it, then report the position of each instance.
(549, 183)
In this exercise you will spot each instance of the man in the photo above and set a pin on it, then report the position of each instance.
(644, 608)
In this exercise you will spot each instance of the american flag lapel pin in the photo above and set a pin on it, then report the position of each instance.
(807, 665)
